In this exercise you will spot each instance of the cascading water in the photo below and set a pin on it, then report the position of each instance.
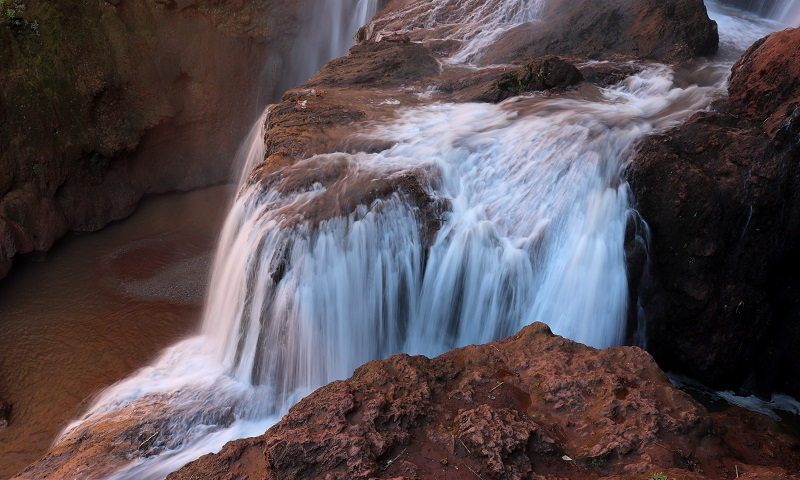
(783, 11)
(534, 231)
(475, 23)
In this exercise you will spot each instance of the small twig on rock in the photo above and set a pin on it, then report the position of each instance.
(149, 439)
(390, 462)
(496, 387)
(474, 472)
(662, 446)
(465, 446)
(737, 470)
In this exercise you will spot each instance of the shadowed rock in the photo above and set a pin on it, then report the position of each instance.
(721, 196)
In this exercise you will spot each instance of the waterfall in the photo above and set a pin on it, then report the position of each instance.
(328, 34)
(476, 24)
(532, 230)
(786, 12)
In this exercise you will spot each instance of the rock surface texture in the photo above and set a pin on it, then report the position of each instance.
(652, 29)
(721, 194)
(534, 406)
(104, 102)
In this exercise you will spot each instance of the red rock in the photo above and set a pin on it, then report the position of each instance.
(653, 29)
(508, 410)
(545, 73)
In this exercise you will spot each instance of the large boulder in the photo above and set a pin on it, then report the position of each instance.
(533, 406)
(721, 194)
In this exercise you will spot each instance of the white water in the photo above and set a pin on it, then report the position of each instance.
(534, 231)
(475, 23)
(784, 11)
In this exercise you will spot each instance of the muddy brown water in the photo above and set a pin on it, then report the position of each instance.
(98, 307)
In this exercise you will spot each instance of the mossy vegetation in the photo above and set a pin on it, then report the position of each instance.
(56, 61)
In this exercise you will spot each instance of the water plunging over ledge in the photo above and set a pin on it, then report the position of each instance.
(534, 231)
(785, 11)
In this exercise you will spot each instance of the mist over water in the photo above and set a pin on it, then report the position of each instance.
(533, 230)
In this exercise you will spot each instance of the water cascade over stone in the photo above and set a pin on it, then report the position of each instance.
(784, 11)
(532, 228)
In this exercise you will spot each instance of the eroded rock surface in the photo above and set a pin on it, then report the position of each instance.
(5, 413)
(533, 406)
(721, 195)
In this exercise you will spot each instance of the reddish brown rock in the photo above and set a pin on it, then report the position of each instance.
(546, 73)
(765, 82)
(721, 196)
(534, 406)
(106, 102)
(652, 29)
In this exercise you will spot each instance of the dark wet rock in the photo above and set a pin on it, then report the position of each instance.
(721, 195)
(534, 406)
(605, 74)
(546, 73)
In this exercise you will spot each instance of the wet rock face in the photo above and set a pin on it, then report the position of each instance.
(665, 31)
(150, 97)
(653, 29)
(531, 406)
(720, 194)
(545, 73)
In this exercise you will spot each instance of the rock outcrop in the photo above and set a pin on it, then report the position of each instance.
(652, 29)
(534, 406)
(721, 194)
(104, 102)
(542, 74)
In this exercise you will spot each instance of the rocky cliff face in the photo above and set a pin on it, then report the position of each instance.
(720, 194)
(103, 102)
(534, 406)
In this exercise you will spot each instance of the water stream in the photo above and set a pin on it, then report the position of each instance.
(534, 231)
(786, 12)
